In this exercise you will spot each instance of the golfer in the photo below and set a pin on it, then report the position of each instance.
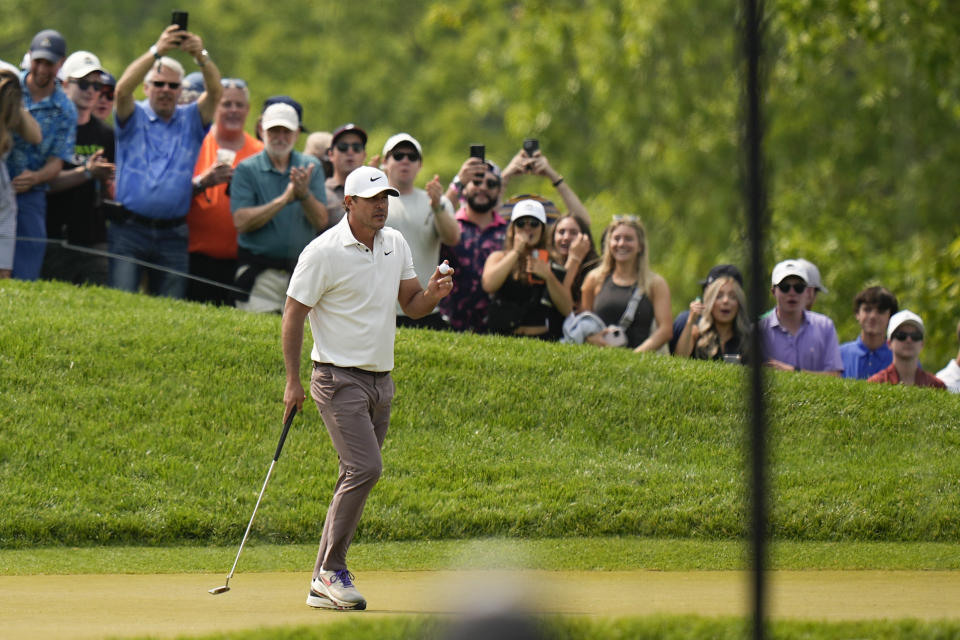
(348, 281)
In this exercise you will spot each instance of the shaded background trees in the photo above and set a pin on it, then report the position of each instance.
(636, 103)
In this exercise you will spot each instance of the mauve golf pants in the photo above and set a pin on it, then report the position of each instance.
(355, 407)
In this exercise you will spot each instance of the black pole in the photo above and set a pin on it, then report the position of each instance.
(756, 210)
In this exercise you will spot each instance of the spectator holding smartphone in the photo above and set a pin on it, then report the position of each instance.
(527, 296)
(625, 293)
(531, 161)
(158, 141)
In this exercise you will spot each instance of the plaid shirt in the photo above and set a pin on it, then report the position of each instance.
(466, 306)
(57, 118)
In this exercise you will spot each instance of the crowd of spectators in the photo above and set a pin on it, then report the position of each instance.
(177, 199)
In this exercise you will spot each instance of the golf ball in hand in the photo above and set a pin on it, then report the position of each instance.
(445, 269)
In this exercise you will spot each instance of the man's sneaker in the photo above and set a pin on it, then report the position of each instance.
(337, 586)
(320, 601)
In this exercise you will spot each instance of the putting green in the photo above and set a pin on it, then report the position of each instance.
(96, 606)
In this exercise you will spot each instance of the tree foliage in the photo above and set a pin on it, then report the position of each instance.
(637, 103)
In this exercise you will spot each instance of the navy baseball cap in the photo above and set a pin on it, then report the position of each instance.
(48, 45)
(285, 100)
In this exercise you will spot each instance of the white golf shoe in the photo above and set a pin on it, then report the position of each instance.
(335, 590)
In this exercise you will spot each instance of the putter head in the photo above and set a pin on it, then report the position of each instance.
(219, 590)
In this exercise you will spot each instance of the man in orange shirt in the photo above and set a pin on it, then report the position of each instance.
(213, 236)
(905, 337)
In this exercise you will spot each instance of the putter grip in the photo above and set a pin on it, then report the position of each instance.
(283, 436)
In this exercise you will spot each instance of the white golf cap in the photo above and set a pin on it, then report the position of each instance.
(899, 318)
(280, 114)
(78, 64)
(366, 182)
(789, 268)
(396, 139)
(529, 208)
(814, 280)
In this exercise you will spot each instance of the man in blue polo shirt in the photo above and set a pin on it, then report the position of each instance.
(157, 146)
(869, 353)
(33, 166)
(278, 200)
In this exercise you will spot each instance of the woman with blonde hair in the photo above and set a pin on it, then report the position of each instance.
(14, 118)
(723, 332)
(527, 296)
(625, 293)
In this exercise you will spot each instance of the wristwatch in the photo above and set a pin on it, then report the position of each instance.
(153, 50)
(202, 59)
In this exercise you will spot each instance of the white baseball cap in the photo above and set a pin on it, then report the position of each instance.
(899, 318)
(78, 64)
(529, 208)
(814, 280)
(789, 268)
(280, 114)
(396, 139)
(366, 182)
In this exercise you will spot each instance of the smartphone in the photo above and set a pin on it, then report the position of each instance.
(478, 151)
(179, 18)
(542, 256)
(531, 146)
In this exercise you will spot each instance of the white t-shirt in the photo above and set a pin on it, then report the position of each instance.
(950, 375)
(412, 215)
(352, 292)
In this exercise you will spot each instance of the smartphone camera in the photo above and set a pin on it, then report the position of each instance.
(478, 151)
(180, 18)
(531, 146)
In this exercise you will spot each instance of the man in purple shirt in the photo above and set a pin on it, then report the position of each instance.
(157, 146)
(482, 231)
(795, 339)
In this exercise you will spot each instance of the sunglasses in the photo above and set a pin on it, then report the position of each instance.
(107, 92)
(798, 287)
(86, 84)
(490, 182)
(412, 156)
(904, 335)
(525, 222)
(233, 83)
(160, 84)
(356, 146)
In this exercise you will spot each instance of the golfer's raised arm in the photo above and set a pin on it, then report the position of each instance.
(294, 315)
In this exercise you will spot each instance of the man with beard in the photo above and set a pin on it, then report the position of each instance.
(348, 150)
(157, 145)
(213, 236)
(33, 166)
(277, 198)
(424, 217)
(73, 204)
(482, 232)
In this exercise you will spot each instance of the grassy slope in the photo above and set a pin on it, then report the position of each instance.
(132, 420)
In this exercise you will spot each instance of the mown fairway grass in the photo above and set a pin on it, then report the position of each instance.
(135, 420)
(142, 422)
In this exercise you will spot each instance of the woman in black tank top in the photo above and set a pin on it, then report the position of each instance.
(624, 269)
(527, 296)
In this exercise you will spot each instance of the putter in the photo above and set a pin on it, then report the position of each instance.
(283, 436)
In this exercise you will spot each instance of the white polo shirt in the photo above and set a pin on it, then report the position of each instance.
(352, 292)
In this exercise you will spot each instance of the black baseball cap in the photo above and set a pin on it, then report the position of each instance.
(720, 271)
(348, 128)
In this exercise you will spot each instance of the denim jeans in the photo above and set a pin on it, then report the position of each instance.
(31, 223)
(163, 247)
